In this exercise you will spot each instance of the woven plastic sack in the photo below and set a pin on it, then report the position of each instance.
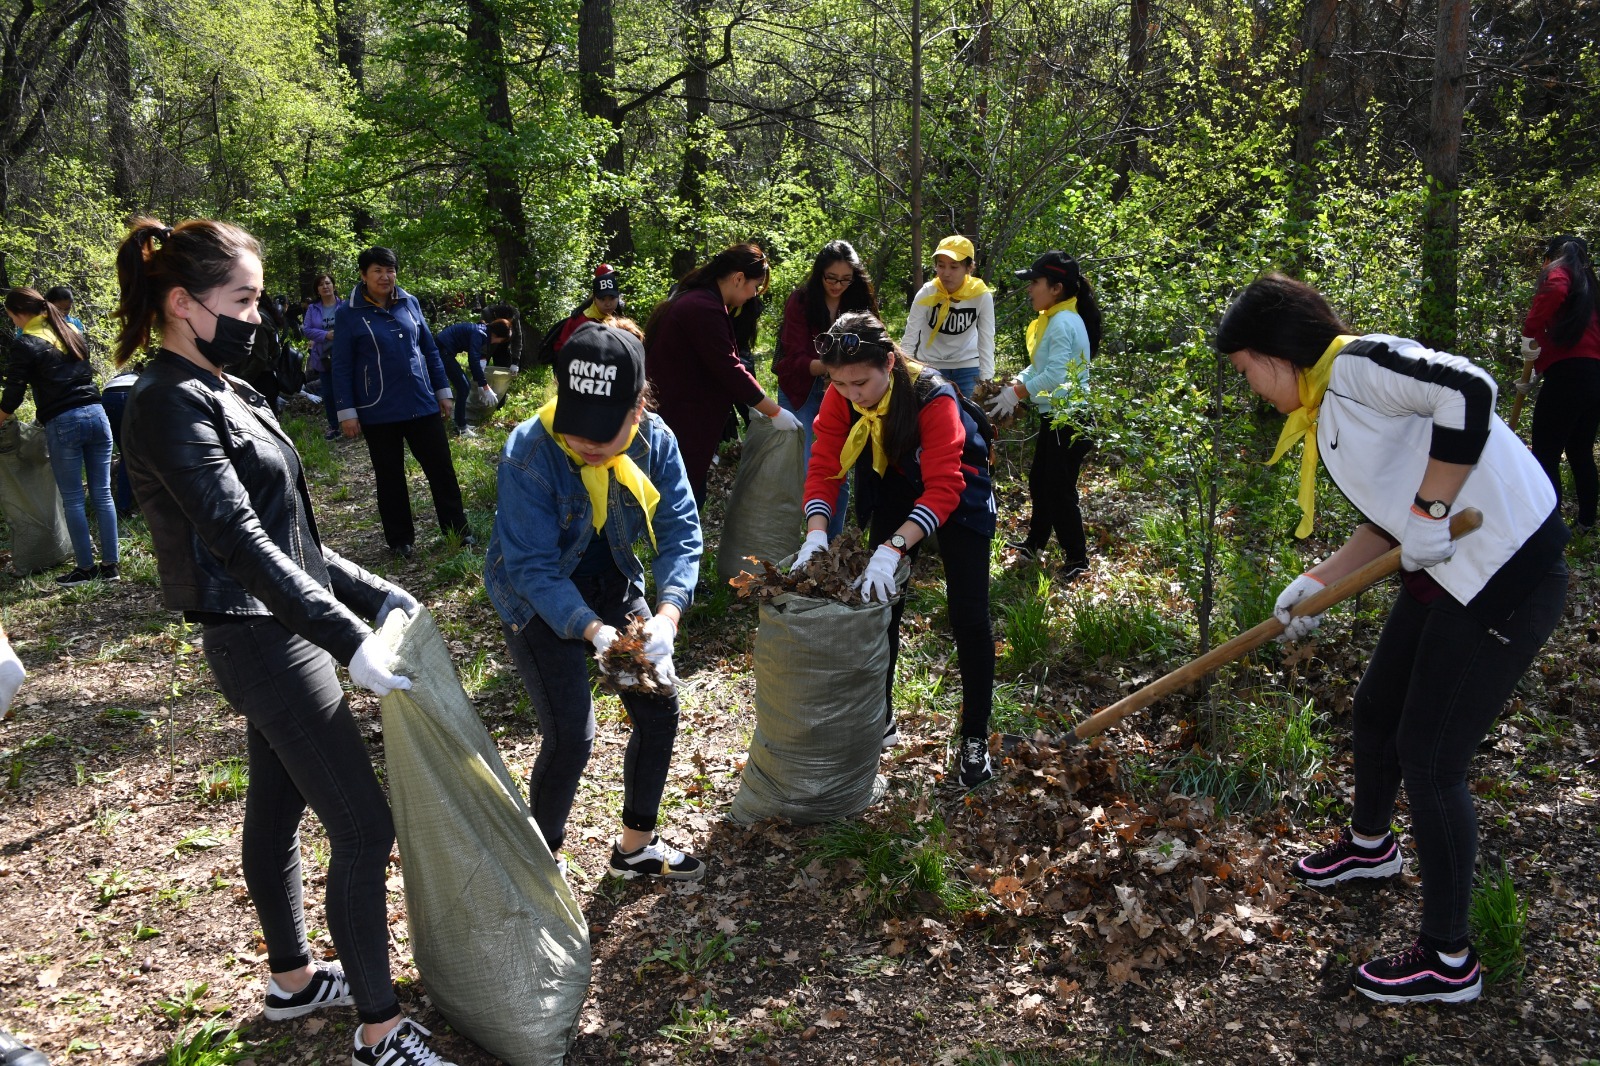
(30, 500)
(499, 938)
(820, 668)
(479, 409)
(765, 516)
(499, 378)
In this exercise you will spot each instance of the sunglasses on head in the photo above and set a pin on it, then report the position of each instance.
(844, 343)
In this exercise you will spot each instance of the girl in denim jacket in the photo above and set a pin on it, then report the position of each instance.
(580, 483)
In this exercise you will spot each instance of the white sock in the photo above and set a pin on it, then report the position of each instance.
(1367, 842)
(1452, 960)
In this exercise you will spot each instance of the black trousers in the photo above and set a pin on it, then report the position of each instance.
(1058, 457)
(1566, 419)
(426, 438)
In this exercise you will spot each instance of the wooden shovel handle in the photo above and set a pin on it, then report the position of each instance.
(1516, 405)
(1461, 523)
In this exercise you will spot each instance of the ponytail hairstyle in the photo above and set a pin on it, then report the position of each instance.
(1573, 316)
(1280, 317)
(153, 259)
(902, 430)
(1075, 286)
(28, 302)
(746, 259)
(859, 296)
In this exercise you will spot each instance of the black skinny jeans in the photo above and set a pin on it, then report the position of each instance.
(425, 436)
(1566, 418)
(965, 553)
(305, 749)
(1433, 688)
(555, 672)
(1058, 456)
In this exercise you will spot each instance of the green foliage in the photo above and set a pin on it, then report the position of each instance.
(691, 956)
(1499, 918)
(224, 781)
(1262, 752)
(1128, 619)
(904, 864)
(1029, 630)
(209, 1043)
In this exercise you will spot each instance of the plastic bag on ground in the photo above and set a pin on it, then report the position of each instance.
(498, 936)
(31, 502)
(765, 515)
(499, 378)
(479, 409)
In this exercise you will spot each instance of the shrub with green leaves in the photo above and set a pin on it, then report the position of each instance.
(1499, 917)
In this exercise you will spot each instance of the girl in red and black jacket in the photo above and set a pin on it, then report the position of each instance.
(1561, 338)
(922, 465)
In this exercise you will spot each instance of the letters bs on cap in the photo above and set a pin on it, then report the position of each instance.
(599, 376)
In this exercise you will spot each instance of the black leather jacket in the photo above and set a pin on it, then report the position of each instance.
(59, 382)
(223, 491)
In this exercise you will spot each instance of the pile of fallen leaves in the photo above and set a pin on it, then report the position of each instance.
(984, 391)
(624, 667)
(828, 575)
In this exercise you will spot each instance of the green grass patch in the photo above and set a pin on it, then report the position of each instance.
(223, 782)
(1261, 753)
(905, 864)
(1499, 918)
(1028, 627)
(1121, 620)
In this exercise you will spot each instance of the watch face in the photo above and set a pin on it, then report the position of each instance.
(897, 541)
(1438, 508)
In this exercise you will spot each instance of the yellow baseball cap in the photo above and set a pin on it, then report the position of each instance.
(956, 247)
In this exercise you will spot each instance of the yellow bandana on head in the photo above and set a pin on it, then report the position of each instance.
(594, 313)
(970, 289)
(868, 427)
(1303, 423)
(597, 481)
(1037, 327)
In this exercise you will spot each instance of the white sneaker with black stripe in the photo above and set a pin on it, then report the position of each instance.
(655, 859)
(327, 988)
(402, 1047)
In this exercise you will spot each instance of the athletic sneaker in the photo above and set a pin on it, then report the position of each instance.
(327, 988)
(1419, 975)
(13, 1052)
(108, 572)
(1345, 860)
(891, 734)
(78, 575)
(972, 761)
(402, 1047)
(655, 859)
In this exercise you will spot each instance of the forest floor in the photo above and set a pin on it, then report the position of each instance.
(1088, 906)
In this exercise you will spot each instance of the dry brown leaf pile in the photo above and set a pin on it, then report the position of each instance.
(830, 575)
(624, 667)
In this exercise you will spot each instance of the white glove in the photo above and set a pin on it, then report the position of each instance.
(603, 639)
(1425, 541)
(370, 668)
(877, 580)
(659, 633)
(816, 541)
(1300, 628)
(486, 394)
(398, 599)
(513, 368)
(11, 674)
(1004, 404)
(785, 420)
(1530, 349)
(1525, 388)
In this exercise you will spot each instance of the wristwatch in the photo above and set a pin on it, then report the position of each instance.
(1434, 509)
(898, 543)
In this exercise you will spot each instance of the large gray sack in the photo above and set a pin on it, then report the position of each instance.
(499, 938)
(765, 515)
(820, 668)
(31, 502)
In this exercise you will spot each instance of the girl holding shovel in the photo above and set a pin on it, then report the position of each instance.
(1410, 435)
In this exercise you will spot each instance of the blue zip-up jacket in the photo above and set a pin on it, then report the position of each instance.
(469, 337)
(544, 522)
(386, 367)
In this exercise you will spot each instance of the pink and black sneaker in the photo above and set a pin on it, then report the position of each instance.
(1419, 975)
(1345, 860)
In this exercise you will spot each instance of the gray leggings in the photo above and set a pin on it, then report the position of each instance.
(306, 749)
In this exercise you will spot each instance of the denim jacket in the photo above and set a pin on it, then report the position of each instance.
(544, 520)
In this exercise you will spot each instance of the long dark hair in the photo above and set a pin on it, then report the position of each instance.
(153, 259)
(1076, 286)
(902, 431)
(1572, 317)
(859, 296)
(1281, 317)
(746, 259)
(28, 302)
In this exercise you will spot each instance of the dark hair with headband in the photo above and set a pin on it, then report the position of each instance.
(196, 256)
(1571, 254)
(1281, 317)
(873, 347)
(28, 302)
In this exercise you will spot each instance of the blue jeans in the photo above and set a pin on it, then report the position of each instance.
(962, 377)
(807, 413)
(80, 443)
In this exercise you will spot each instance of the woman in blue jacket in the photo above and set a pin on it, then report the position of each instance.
(580, 483)
(390, 386)
(480, 342)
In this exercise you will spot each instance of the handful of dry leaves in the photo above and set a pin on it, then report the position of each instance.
(829, 575)
(624, 668)
(984, 391)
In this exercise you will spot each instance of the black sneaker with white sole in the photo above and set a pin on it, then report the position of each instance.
(402, 1047)
(891, 734)
(972, 762)
(78, 575)
(1420, 975)
(655, 859)
(1345, 860)
(327, 988)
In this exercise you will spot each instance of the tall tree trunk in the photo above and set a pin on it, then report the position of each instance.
(597, 71)
(1317, 36)
(697, 110)
(1441, 222)
(1138, 57)
(350, 45)
(119, 104)
(979, 51)
(508, 219)
(916, 145)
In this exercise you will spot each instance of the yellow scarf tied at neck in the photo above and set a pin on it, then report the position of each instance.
(1303, 423)
(970, 289)
(593, 313)
(1037, 327)
(39, 326)
(597, 480)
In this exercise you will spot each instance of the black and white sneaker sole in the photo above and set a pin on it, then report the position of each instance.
(696, 874)
(1460, 995)
(1380, 872)
(300, 1010)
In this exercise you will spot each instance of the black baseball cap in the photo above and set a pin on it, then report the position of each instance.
(1055, 266)
(599, 376)
(606, 280)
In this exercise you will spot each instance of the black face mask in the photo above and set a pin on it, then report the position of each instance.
(230, 344)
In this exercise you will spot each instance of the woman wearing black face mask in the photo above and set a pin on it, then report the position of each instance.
(236, 544)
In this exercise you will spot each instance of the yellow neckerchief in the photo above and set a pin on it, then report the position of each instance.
(1303, 423)
(870, 427)
(970, 289)
(1037, 327)
(593, 313)
(596, 480)
(39, 327)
